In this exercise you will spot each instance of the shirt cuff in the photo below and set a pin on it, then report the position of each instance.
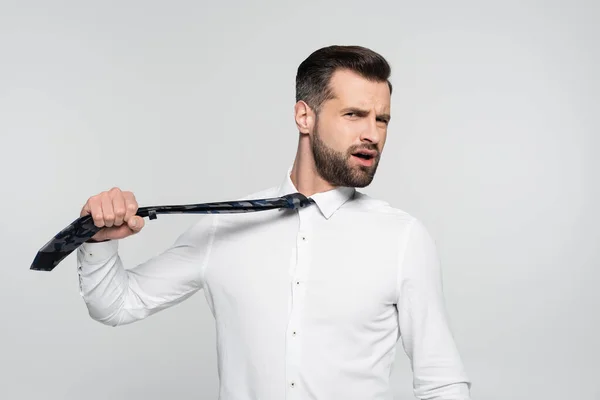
(94, 253)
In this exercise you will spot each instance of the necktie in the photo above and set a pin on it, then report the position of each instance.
(83, 228)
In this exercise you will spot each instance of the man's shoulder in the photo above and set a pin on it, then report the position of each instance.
(388, 218)
(374, 206)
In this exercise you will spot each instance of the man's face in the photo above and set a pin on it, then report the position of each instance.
(350, 130)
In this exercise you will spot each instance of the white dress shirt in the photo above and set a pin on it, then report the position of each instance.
(308, 304)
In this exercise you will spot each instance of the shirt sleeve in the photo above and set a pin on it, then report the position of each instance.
(116, 296)
(438, 371)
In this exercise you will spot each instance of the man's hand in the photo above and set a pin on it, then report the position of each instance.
(113, 211)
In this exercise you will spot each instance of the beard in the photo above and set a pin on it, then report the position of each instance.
(335, 167)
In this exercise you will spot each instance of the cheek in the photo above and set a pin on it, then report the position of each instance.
(383, 137)
(338, 135)
(349, 130)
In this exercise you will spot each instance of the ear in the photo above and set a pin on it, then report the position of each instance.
(304, 117)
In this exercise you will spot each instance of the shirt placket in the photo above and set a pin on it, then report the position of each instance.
(298, 274)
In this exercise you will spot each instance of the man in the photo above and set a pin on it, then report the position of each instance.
(308, 304)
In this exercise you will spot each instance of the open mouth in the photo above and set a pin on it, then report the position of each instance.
(365, 158)
(365, 154)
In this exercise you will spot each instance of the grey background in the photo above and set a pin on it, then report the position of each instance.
(492, 145)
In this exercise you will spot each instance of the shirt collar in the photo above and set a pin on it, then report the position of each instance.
(328, 202)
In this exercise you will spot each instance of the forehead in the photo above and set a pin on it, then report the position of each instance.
(351, 89)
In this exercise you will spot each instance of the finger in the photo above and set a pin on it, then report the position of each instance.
(118, 203)
(95, 207)
(131, 205)
(136, 223)
(108, 212)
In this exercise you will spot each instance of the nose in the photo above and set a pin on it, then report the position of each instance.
(370, 132)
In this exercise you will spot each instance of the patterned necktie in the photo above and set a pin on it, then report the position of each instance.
(83, 228)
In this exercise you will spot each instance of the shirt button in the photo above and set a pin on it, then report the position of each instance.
(294, 333)
(293, 384)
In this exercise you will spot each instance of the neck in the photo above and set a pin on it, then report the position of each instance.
(304, 174)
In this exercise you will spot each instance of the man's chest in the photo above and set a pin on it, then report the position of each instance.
(322, 273)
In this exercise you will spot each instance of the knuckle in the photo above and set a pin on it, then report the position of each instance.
(98, 220)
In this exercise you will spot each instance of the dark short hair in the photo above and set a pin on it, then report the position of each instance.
(314, 73)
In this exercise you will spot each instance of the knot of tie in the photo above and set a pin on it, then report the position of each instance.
(298, 200)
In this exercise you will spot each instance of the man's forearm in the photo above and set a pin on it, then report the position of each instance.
(104, 283)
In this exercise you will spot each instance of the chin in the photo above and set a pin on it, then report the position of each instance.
(362, 184)
(362, 177)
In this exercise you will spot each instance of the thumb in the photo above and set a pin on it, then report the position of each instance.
(136, 223)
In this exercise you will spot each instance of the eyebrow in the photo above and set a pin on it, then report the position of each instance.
(363, 113)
